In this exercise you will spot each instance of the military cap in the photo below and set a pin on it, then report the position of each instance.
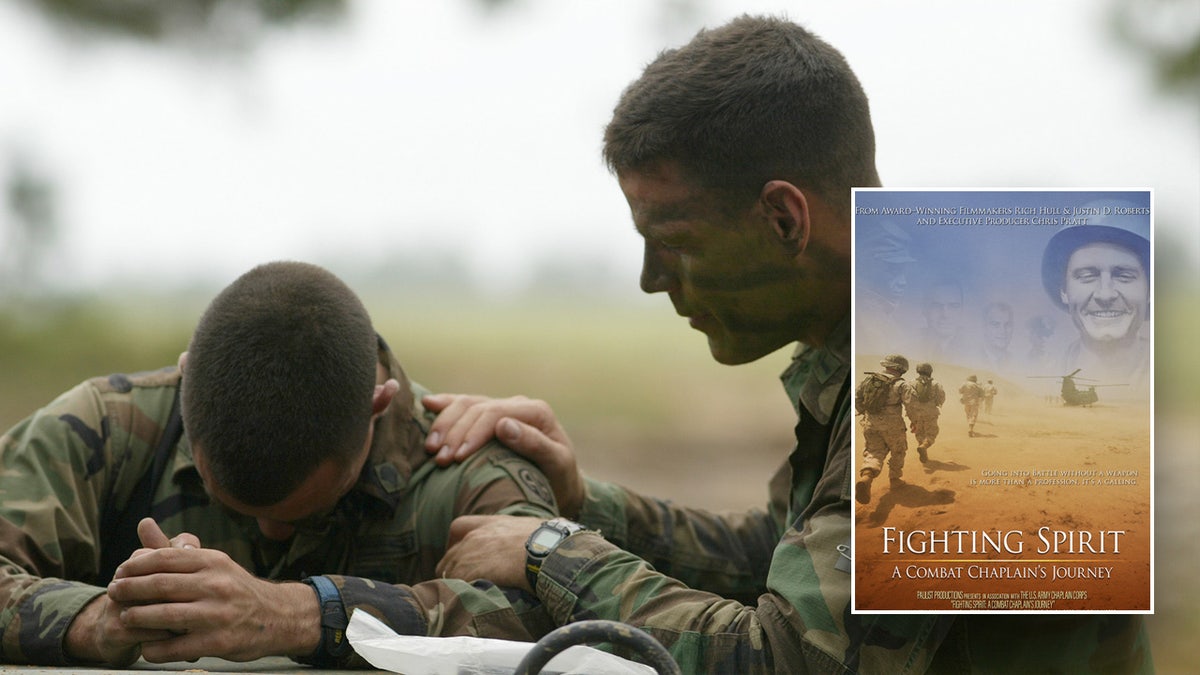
(895, 361)
(1131, 233)
(924, 369)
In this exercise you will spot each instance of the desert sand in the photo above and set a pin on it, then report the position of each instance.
(1062, 493)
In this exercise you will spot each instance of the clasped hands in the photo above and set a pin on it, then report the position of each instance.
(173, 600)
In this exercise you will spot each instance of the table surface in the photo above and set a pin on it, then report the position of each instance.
(213, 666)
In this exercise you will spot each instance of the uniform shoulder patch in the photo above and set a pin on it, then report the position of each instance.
(533, 483)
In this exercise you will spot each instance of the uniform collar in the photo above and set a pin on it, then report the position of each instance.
(398, 447)
(815, 375)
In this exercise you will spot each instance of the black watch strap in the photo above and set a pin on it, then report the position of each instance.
(542, 543)
(333, 646)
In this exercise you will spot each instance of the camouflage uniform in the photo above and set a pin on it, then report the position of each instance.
(66, 468)
(971, 395)
(764, 591)
(923, 415)
(884, 432)
(989, 394)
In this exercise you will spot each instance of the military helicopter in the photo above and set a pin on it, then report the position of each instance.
(1073, 395)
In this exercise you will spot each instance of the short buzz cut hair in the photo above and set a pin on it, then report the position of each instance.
(279, 378)
(755, 100)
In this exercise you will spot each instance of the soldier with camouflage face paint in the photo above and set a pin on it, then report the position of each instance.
(737, 154)
(303, 455)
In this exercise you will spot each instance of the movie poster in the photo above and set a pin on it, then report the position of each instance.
(1003, 366)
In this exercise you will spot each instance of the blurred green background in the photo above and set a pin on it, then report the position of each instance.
(633, 385)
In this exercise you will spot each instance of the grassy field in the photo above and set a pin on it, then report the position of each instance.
(635, 388)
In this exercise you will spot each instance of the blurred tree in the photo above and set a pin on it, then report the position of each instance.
(227, 25)
(1166, 33)
(31, 226)
(214, 27)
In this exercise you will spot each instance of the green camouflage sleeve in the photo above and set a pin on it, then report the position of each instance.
(727, 554)
(798, 624)
(497, 480)
(781, 606)
(493, 481)
(52, 472)
(801, 622)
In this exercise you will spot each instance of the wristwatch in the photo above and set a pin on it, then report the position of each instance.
(543, 541)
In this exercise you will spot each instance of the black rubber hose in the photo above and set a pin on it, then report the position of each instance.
(589, 632)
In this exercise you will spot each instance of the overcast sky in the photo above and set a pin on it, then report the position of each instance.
(429, 126)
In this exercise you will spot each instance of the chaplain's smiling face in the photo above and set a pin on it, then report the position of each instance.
(1106, 291)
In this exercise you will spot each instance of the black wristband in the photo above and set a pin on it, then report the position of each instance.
(333, 646)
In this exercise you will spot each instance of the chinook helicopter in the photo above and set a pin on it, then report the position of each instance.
(1073, 395)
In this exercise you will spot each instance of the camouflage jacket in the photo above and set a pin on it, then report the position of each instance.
(769, 591)
(890, 415)
(915, 408)
(970, 393)
(65, 469)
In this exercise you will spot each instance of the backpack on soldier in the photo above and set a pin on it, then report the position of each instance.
(923, 389)
(874, 391)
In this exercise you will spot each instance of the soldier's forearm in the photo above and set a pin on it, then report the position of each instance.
(37, 614)
(88, 641)
(299, 620)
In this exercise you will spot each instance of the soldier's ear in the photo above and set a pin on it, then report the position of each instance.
(382, 398)
(1062, 295)
(182, 361)
(787, 209)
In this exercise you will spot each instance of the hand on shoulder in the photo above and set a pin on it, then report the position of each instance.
(466, 423)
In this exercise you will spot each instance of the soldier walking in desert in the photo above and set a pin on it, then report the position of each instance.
(989, 394)
(971, 395)
(923, 403)
(879, 399)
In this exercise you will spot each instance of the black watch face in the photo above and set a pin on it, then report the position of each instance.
(543, 540)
